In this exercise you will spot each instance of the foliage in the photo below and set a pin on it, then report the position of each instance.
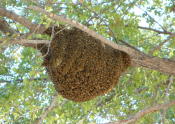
(25, 88)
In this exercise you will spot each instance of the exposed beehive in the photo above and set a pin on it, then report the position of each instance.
(80, 66)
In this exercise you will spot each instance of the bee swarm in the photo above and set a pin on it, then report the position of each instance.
(80, 66)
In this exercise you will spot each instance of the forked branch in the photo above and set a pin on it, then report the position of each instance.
(32, 27)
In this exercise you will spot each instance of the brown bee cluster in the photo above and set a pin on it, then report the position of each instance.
(80, 66)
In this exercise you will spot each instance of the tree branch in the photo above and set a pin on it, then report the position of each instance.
(138, 58)
(158, 47)
(26, 42)
(151, 18)
(155, 30)
(144, 112)
(102, 102)
(130, 51)
(32, 27)
(47, 110)
(166, 98)
(21, 80)
(5, 27)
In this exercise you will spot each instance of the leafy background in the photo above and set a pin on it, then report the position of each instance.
(25, 88)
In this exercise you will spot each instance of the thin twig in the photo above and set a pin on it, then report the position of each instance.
(155, 30)
(144, 112)
(47, 110)
(163, 113)
(158, 47)
(152, 18)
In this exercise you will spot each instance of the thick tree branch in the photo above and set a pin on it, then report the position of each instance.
(32, 27)
(87, 30)
(138, 58)
(144, 112)
(155, 63)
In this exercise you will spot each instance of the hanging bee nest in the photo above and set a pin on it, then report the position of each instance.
(80, 66)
